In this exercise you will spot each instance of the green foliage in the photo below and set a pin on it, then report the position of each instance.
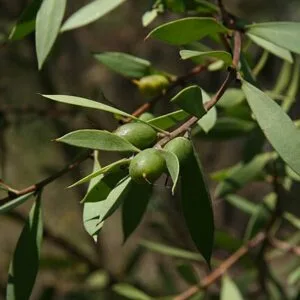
(230, 290)
(200, 57)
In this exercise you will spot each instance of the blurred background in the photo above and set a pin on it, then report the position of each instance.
(70, 261)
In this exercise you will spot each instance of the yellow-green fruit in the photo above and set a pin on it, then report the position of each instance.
(181, 147)
(152, 85)
(147, 166)
(138, 134)
(146, 116)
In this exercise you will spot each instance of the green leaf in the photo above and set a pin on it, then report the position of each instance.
(231, 98)
(24, 265)
(109, 169)
(171, 251)
(197, 207)
(187, 30)
(283, 79)
(48, 20)
(14, 203)
(273, 48)
(187, 272)
(244, 174)
(149, 17)
(173, 167)
(294, 277)
(190, 100)
(242, 204)
(200, 57)
(276, 125)
(295, 221)
(130, 292)
(229, 290)
(98, 140)
(90, 13)
(124, 64)
(206, 7)
(282, 34)
(169, 120)
(134, 206)
(26, 23)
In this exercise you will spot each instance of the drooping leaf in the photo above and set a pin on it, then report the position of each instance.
(200, 57)
(48, 20)
(230, 290)
(169, 120)
(197, 207)
(282, 34)
(25, 262)
(172, 163)
(190, 100)
(134, 206)
(171, 251)
(187, 272)
(124, 64)
(98, 140)
(231, 97)
(273, 48)
(90, 13)
(14, 203)
(276, 125)
(130, 292)
(26, 23)
(187, 30)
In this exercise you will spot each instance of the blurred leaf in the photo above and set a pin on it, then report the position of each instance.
(25, 262)
(169, 120)
(295, 221)
(90, 13)
(206, 6)
(171, 251)
(282, 34)
(284, 78)
(97, 139)
(172, 163)
(197, 207)
(200, 57)
(14, 203)
(231, 97)
(187, 272)
(97, 280)
(226, 241)
(130, 292)
(276, 124)
(261, 63)
(294, 277)
(114, 167)
(134, 206)
(26, 23)
(48, 20)
(198, 296)
(229, 290)
(273, 48)
(242, 204)
(187, 30)
(124, 64)
(149, 17)
(177, 6)
(190, 100)
(222, 174)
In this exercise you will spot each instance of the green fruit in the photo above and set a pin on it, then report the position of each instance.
(146, 116)
(182, 148)
(152, 85)
(138, 134)
(147, 166)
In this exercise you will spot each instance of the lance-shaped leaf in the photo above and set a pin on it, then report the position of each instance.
(48, 20)
(187, 30)
(200, 57)
(197, 207)
(134, 206)
(24, 265)
(273, 48)
(282, 34)
(276, 125)
(14, 203)
(283, 78)
(190, 100)
(230, 290)
(90, 13)
(130, 292)
(169, 120)
(124, 64)
(98, 140)
(26, 22)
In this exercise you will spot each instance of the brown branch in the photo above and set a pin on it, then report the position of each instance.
(284, 246)
(224, 266)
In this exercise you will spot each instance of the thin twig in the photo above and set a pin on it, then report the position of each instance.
(284, 246)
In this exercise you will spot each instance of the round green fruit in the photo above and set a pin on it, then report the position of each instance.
(147, 166)
(146, 116)
(181, 147)
(138, 134)
(152, 85)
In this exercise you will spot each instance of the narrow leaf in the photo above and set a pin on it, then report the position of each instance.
(190, 100)
(169, 120)
(187, 30)
(98, 140)
(283, 78)
(130, 292)
(276, 125)
(14, 203)
(90, 13)
(242, 204)
(200, 57)
(24, 265)
(230, 290)
(48, 20)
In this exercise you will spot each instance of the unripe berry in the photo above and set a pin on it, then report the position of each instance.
(152, 85)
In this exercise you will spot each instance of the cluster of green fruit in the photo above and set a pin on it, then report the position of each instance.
(149, 164)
